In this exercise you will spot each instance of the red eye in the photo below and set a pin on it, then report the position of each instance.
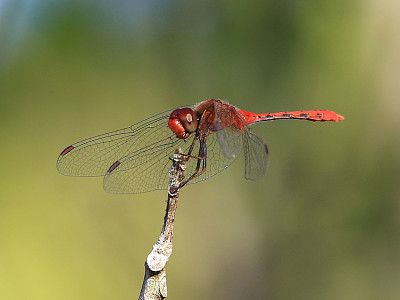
(183, 122)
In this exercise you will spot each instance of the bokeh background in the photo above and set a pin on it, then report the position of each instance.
(324, 223)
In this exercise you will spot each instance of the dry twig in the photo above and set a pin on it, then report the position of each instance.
(155, 279)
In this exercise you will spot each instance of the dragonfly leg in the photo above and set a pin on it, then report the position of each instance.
(189, 154)
(201, 158)
(192, 145)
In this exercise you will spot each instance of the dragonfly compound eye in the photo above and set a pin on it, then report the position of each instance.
(183, 122)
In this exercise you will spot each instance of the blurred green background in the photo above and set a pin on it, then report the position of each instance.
(324, 223)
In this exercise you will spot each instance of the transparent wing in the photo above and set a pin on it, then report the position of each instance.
(133, 175)
(217, 161)
(231, 141)
(256, 156)
(146, 169)
(94, 156)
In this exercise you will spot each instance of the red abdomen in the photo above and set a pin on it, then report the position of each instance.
(311, 115)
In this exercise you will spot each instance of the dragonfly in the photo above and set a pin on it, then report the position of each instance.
(211, 134)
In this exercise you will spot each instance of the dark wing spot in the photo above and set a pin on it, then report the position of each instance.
(287, 115)
(269, 116)
(113, 167)
(319, 115)
(304, 115)
(66, 150)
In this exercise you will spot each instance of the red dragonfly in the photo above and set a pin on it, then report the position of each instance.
(212, 133)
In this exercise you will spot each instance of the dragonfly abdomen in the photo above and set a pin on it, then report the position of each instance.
(311, 115)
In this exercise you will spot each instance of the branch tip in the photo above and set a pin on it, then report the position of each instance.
(155, 279)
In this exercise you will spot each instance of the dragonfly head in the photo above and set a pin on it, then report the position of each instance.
(183, 122)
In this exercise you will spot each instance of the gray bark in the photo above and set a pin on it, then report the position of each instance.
(155, 279)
